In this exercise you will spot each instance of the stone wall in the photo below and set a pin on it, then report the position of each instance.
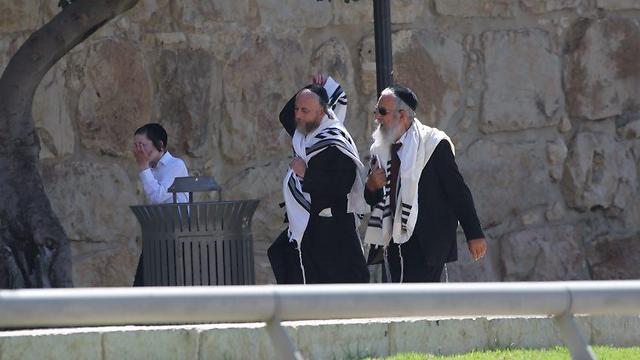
(539, 96)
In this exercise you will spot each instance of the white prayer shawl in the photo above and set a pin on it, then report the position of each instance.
(331, 132)
(418, 146)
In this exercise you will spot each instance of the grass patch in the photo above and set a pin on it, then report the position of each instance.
(557, 353)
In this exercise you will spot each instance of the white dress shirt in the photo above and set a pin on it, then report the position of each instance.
(158, 179)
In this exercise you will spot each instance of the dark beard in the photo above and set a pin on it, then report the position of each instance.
(307, 128)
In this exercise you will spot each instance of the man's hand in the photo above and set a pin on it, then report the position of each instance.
(376, 179)
(320, 79)
(142, 158)
(298, 166)
(477, 248)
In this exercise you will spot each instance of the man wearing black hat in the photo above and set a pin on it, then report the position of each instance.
(416, 193)
(322, 191)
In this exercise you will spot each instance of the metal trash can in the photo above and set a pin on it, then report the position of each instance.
(197, 243)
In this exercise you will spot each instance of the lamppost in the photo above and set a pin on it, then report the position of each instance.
(382, 30)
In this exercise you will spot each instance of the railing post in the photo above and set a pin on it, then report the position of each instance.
(281, 341)
(573, 339)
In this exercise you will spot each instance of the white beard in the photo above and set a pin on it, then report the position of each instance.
(384, 137)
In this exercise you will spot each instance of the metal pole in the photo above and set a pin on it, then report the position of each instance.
(282, 342)
(573, 339)
(201, 304)
(382, 29)
(384, 60)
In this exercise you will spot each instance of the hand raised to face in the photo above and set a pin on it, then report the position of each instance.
(142, 155)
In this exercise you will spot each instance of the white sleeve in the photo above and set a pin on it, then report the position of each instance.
(337, 98)
(156, 191)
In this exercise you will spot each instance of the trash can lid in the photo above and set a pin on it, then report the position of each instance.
(194, 184)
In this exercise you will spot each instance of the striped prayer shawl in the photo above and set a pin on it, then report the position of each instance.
(398, 224)
(297, 202)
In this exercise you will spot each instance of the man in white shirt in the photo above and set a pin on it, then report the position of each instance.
(158, 168)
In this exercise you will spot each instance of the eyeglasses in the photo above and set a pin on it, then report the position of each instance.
(382, 111)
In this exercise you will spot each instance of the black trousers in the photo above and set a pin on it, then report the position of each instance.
(331, 253)
(283, 256)
(415, 268)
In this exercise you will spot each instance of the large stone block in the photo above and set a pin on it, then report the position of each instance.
(476, 8)
(20, 16)
(407, 11)
(188, 98)
(52, 116)
(204, 14)
(92, 199)
(602, 71)
(292, 13)
(430, 63)
(544, 254)
(151, 17)
(543, 6)
(528, 332)
(618, 4)
(252, 100)
(149, 10)
(599, 172)
(246, 341)
(51, 345)
(614, 257)
(507, 178)
(351, 339)
(100, 264)
(430, 336)
(154, 343)
(611, 330)
(524, 83)
(114, 95)
(361, 12)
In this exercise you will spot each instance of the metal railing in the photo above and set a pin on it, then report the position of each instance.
(273, 304)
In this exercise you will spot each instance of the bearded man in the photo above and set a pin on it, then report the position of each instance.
(417, 194)
(322, 190)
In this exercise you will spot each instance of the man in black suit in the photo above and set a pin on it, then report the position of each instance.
(322, 192)
(417, 194)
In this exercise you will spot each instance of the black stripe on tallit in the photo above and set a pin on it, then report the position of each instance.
(323, 144)
(336, 94)
(297, 195)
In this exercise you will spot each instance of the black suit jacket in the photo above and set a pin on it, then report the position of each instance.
(443, 200)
